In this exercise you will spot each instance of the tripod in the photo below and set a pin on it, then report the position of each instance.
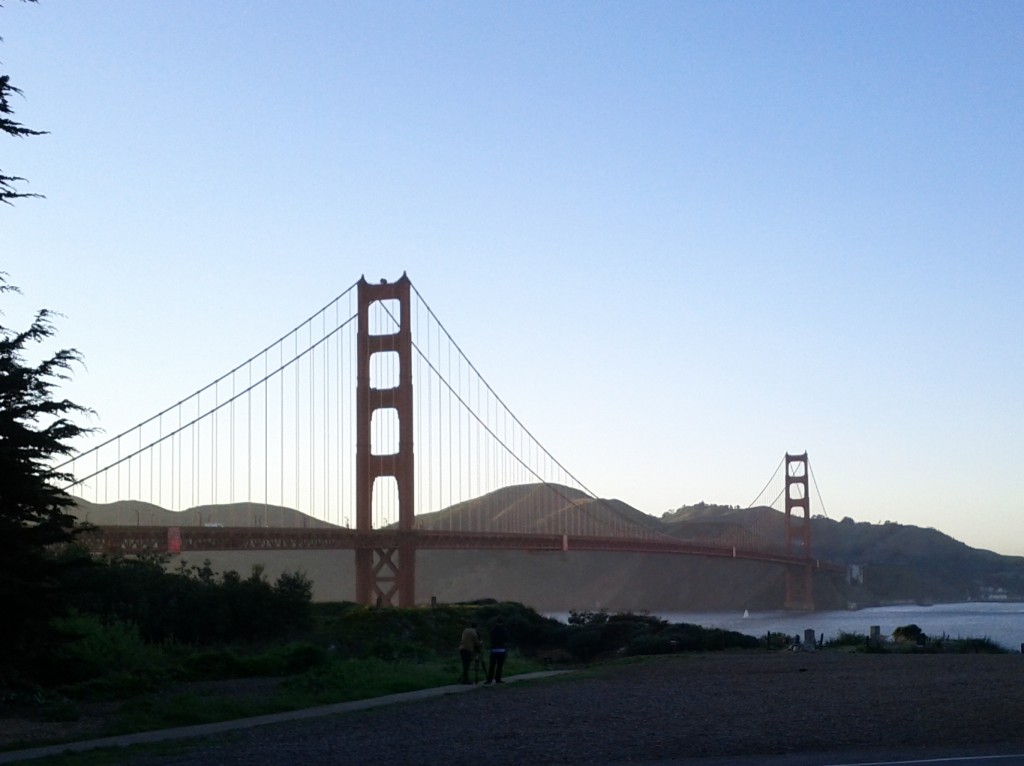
(479, 667)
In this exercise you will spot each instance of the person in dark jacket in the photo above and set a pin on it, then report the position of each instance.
(499, 648)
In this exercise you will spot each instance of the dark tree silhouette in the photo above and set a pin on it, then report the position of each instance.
(8, 125)
(35, 428)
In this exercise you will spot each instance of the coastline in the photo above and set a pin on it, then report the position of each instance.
(999, 621)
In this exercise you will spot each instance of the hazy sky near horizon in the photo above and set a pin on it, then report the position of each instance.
(679, 239)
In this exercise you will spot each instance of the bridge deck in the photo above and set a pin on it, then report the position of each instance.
(149, 539)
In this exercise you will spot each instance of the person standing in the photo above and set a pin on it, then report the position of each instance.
(469, 645)
(499, 649)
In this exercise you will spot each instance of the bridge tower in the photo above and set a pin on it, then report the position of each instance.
(799, 595)
(385, 564)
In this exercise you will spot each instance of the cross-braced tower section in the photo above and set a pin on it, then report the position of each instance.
(798, 534)
(385, 560)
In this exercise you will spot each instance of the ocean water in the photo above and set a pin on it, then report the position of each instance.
(1000, 622)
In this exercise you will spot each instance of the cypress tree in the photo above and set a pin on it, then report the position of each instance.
(35, 430)
(8, 125)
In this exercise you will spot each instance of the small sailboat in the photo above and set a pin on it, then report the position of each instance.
(746, 614)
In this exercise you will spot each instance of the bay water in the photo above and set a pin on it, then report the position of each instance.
(1001, 622)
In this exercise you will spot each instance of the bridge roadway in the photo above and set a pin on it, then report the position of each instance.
(150, 539)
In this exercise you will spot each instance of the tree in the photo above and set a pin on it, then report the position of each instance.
(35, 428)
(8, 125)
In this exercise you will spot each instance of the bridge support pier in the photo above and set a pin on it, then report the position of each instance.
(385, 575)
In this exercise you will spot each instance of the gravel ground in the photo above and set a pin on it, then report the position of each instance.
(674, 707)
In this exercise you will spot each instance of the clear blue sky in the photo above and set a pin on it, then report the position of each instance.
(679, 239)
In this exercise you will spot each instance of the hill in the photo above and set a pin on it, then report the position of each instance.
(894, 563)
(909, 563)
(540, 509)
(137, 513)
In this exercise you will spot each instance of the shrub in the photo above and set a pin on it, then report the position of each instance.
(847, 639)
(216, 664)
(586, 643)
(302, 657)
(654, 645)
(971, 646)
(95, 649)
(910, 633)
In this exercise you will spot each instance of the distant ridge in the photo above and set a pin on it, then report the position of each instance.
(538, 509)
(759, 527)
(895, 563)
(130, 513)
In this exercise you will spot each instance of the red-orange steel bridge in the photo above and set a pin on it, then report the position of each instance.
(385, 554)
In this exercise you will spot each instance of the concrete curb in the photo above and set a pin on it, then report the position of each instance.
(207, 729)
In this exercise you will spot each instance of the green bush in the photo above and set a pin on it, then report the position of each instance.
(302, 657)
(910, 634)
(586, 643)
(214, 664)
(95, 649)
(847, 639)
(694, 638)
(659, 644)
(193, 604)
(970, 646)
(62, 710)
(775, 640)
(417, 633)
(592, 636)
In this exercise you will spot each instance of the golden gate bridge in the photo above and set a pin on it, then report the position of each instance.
(370, 420)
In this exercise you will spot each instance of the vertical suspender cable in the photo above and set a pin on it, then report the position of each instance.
(266, 439)
(341, 387)
(451, 471)
(160, 461)
(176, 472)
(439, 456)
(312, 425)
(195, 454)
(213, 446)
(325, 418)
(427, 399)
(478, 463)
(459, 431)
(128, 470)
(248, 442)
(231, 436)
(280, 445)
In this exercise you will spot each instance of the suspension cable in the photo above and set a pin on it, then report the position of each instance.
(200, 417)
(112, 439)
(615, 511)
(817, 490)
(767, 484)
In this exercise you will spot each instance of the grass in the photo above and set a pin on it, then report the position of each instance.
(114, 756)
(333, 681)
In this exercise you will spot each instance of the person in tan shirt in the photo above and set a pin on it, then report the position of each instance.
(469, 645)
